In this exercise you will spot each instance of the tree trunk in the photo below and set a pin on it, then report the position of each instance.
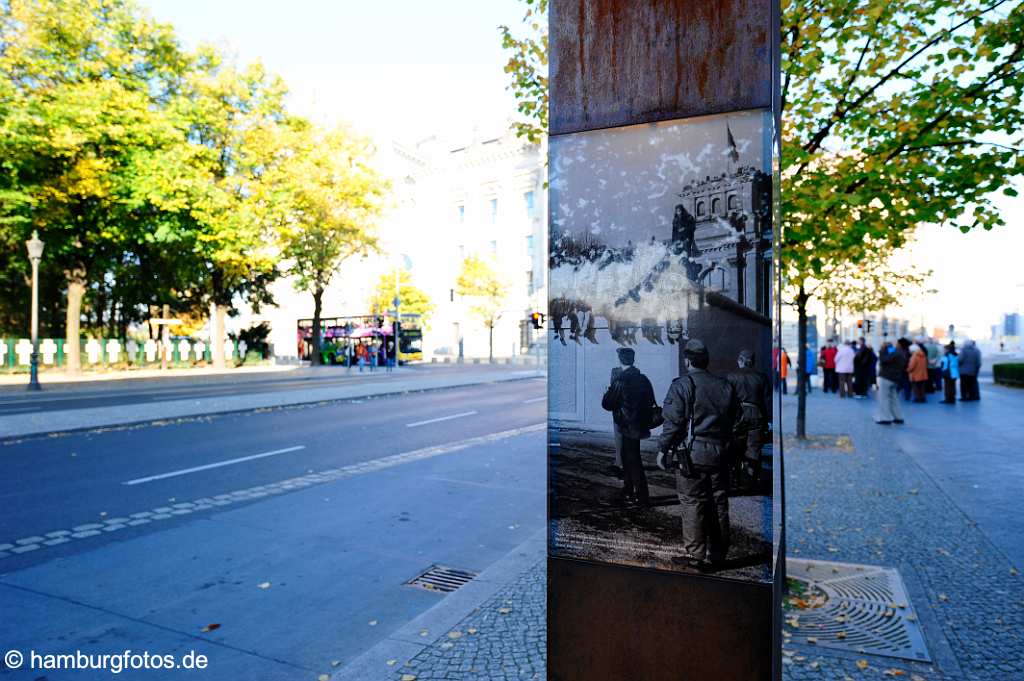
(73, 320)
(801, 371)
(490, 343)
(318, 295)
(217, 351)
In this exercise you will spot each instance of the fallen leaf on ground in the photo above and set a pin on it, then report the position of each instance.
(1014, 572)
(812, 640)
(454, 634)
(372, 623)
(916, 677)
(471, 630)
(943, 597)
(862, 664)
(814, 665)
(263, 585)
(209, 627)
(408, 677)
(335, 663)
(841, 635)
(423, 632)
(392, 663)
(324, 677)
(894, 672)
(504, 611)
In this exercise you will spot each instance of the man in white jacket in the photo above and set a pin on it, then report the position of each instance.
(844, 369)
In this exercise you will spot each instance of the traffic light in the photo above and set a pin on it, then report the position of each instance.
(867, 325)
(537, 319)
(860, 323)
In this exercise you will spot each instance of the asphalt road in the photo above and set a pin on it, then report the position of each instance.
(427, 482)
(14, 399)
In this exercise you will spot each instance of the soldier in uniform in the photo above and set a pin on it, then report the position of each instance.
(754, 394)
(630, 399)
(700, 413)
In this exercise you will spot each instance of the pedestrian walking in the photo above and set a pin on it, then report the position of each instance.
(844, 368)
(950, 373)
(917, 370)
(630, 399)
(828, 367)
(361, 356)
(873, 369)
(892, 367)
(754, 393)
(700, 412)
(811, 362)
(970, 366)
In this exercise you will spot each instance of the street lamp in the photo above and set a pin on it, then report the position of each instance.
(35, 254)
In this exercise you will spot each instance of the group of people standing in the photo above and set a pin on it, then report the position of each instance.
(908, 369)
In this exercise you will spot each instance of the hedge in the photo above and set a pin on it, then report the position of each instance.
(1009, 374)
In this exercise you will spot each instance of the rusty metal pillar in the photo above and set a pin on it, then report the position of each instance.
(663, 165)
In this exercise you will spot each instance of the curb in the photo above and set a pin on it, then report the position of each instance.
(116, 424)
(405, 643)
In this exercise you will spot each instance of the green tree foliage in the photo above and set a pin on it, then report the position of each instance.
(412, 299)
(528, 67)
(333, 198)
(158, 178)
(894, 115)
(82, 86)
(481, 282)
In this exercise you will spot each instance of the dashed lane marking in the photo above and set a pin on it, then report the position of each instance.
(217, 464)
(440, 418)
(87, 530)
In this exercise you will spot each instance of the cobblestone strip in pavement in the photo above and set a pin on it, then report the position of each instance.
(107, 525)
(875, 505)
(504, 639)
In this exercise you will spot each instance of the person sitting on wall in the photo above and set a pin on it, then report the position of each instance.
(630, 399)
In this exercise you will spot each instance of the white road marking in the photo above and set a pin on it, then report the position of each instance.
(535, 399)
(218, 464)
(284, 486)
(440, 418)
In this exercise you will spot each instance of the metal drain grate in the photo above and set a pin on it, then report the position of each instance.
(860, 608)
(441, 578)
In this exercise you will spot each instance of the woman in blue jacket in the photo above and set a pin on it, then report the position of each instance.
(950, 373)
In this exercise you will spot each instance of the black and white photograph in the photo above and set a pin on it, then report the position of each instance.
(659, 444)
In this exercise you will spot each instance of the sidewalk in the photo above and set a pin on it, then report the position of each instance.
(355, 386)
(937, 499)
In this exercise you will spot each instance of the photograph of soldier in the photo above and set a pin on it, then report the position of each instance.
(660, 266)
(701, 413)
(630, 399)
(754, 392)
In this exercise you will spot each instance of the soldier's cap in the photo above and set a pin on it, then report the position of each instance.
(626, 354)
(695, 348)
(746, 356)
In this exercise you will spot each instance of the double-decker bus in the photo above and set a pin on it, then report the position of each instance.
(341, 336)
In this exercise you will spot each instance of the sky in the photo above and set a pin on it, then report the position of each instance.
(398, 68)
(406, 69)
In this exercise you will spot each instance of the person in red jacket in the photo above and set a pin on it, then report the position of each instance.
(828, 365)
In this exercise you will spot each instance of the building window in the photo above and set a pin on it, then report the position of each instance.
(529, 246)
(716, 206)
(700, 209)
(494, 211)
(494, 247)
(462, 213)
(529, 283)
(531, 207)
(734, 202)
